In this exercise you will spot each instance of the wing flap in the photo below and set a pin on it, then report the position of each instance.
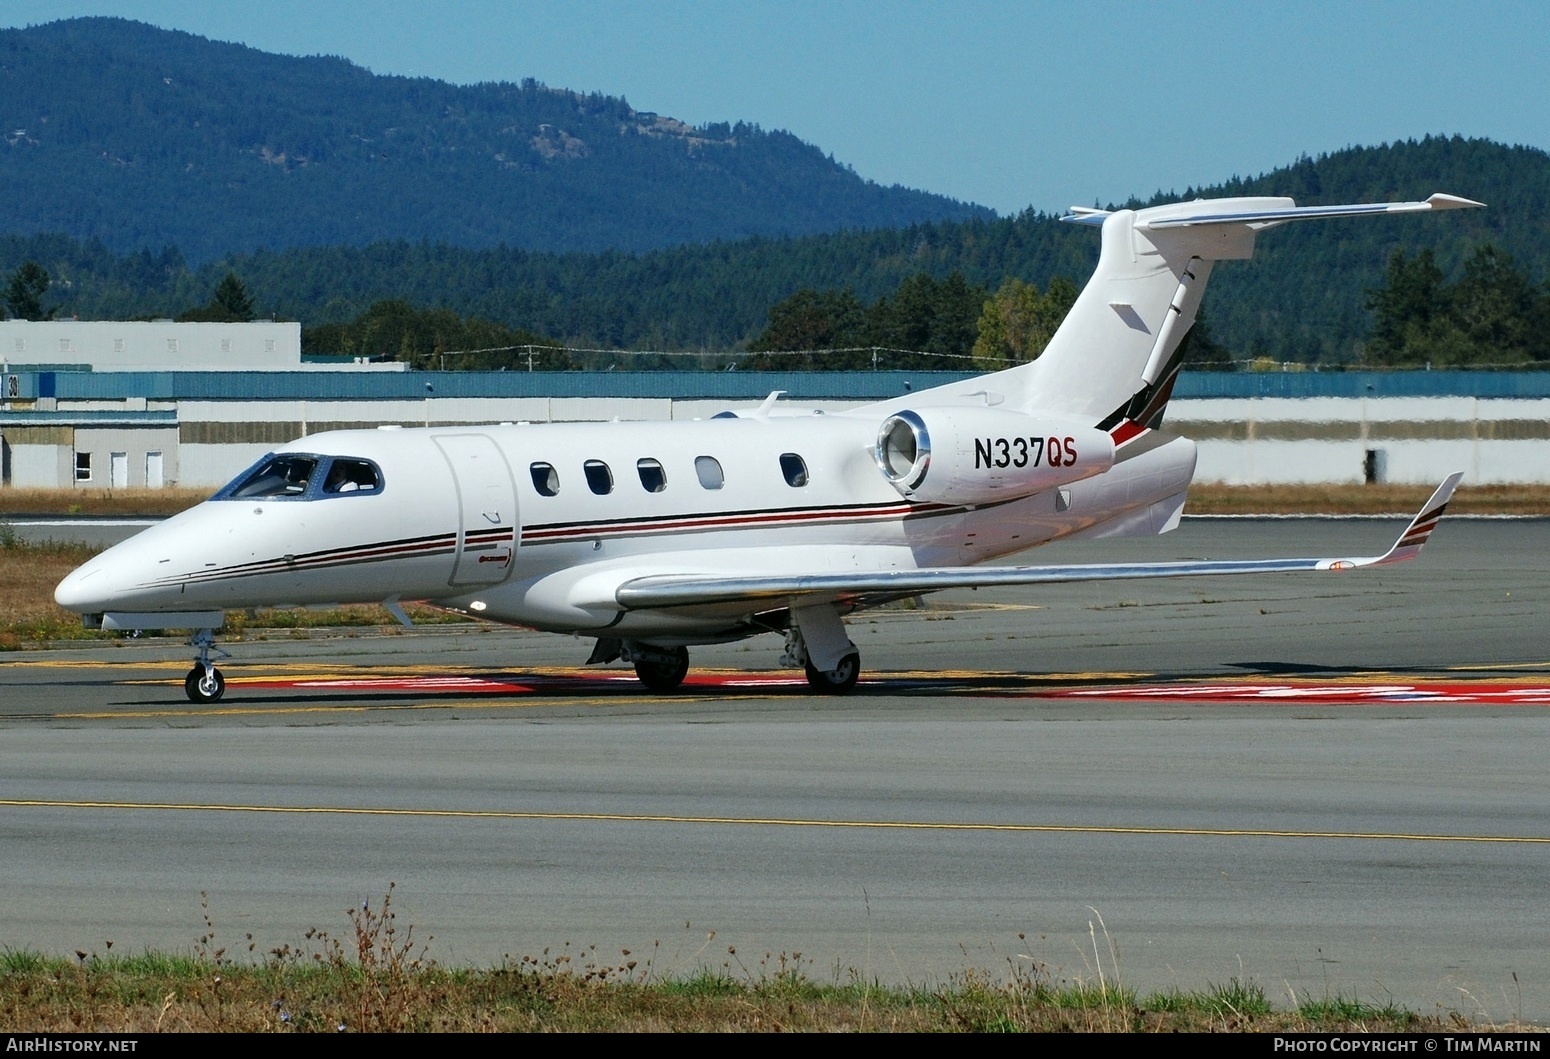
(674, 590)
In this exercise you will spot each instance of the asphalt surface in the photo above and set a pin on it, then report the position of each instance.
(1050, 781)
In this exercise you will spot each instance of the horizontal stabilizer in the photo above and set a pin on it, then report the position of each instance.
(1250, 213)
(862, 586)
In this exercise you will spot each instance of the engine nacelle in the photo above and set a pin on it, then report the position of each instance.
(982, 455)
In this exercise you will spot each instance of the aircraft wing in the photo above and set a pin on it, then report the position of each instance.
(673, 590)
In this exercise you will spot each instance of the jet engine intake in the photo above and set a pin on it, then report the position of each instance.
(980, 455)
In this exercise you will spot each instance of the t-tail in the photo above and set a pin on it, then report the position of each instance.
(1115, 357)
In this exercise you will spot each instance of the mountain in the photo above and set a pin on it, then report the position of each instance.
(1301, 298)
(143, 138)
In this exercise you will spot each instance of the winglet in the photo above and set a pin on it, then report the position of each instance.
(1440, 201)
(1409, 544)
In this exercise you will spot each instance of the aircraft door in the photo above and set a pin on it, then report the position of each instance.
(487, 503)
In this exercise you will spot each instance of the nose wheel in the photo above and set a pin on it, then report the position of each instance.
(204, 682)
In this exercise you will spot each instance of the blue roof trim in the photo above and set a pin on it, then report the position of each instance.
(1303, 384)
(87, 419)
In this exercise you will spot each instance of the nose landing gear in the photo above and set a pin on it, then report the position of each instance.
(204, 683)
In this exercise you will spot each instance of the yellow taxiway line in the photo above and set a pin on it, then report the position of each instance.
(754, 821)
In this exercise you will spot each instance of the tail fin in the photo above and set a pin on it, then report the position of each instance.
(1116, 356)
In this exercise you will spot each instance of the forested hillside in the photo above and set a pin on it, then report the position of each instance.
(1303, 297)
(142, 137)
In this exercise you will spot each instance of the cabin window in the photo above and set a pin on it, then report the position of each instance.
(652, 477)
(352, 476)
(279, 476)
(795, 470)
(709, 471)
(545, 479)
(599, 478)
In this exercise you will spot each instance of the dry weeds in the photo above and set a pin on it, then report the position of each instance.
(121, 502)
(1215, 498)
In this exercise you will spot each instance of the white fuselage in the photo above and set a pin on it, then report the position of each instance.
(538, 525)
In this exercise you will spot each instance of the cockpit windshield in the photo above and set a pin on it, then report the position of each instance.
(278, 476)
(299, 476)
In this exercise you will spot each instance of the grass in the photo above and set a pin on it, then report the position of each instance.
(376, 976)
(1215, 498)
(120, 502)
(28, 574)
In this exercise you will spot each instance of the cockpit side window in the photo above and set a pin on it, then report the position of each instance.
(347, 475)
(286, 475)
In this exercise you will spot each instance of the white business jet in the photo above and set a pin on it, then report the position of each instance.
(651, 537)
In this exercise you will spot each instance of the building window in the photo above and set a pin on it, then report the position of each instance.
(225, 345)
(709, 471)
(545, 479)
(652, 477)
(83, 466)
(795, 470)
(172, 345)
(268, 345)
(64, 345)
(118, 345)
(599, 478)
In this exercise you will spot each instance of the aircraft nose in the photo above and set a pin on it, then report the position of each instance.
(83, 590)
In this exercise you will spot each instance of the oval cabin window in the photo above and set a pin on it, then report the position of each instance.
(599, 478)
(709, 471)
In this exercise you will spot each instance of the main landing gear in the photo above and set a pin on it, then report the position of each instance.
(836, 681)
(204, 682)
(662, 669)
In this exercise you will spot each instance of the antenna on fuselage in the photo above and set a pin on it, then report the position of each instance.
(769, 403)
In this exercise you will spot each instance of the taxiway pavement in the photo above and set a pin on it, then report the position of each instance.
(990, 799)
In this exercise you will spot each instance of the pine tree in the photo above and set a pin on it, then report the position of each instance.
(232, 296)
(24, 295)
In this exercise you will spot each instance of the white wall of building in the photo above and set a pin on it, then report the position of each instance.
(1419, 439)
(39, 466)
(161, 345)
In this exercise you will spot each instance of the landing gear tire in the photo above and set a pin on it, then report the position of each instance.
(204, 684)
(665, 673)
(836, 681)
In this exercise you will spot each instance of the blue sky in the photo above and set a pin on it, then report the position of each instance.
(1006, 104)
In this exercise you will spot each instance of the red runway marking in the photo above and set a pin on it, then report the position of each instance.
(508, 685)
(1475, 693)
